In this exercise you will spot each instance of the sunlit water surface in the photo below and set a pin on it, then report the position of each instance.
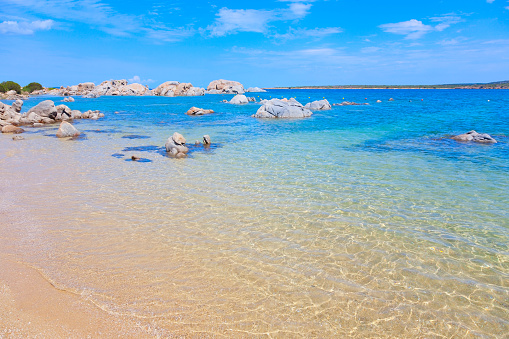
(359, 221)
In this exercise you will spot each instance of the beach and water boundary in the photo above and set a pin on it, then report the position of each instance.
(360, 221)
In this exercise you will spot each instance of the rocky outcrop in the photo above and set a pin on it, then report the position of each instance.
(277, 108)
(67, 130)
(225, 87)
(68, 99)
(175, 88)
(318, 105)
(255, 90)
(176, 146)
(475, 137)
(239, 99)
(198, 111)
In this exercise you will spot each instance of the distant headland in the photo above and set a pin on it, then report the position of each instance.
(489, 85)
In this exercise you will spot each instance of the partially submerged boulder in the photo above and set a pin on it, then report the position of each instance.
(277, 108)
(12, 129)
(239, 99)
(318, 105)
(68, 99)
(67, 130)
(206, 140)
(198, 111)
(176, 145)
(475, 137)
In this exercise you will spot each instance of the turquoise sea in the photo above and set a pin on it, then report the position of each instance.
(360, 221)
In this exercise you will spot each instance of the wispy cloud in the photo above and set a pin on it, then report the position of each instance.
(304, 33)
(415, 29)
(103, 17)
(139, 80)
(25, 27)
(230, 21)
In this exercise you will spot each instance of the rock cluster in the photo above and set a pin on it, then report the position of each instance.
(222, 86)
(44, 113)
(68, 99)
(176, 146)
(318, 105)
(198, 111)
(350, 103)
(476, 137)
(175, 89)
(276, 108)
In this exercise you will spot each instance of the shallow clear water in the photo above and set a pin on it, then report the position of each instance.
(359, 221)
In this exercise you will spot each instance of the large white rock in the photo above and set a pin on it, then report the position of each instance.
(318, 105)
(239, 99)
(277, 108)
(45, 109)
(176, 145)
(67, 130)
(255, 90)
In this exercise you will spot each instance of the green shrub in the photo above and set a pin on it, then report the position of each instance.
(33, 86)
(11, 85)
(2, 89)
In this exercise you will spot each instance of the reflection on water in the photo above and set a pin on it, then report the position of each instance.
(286, 230)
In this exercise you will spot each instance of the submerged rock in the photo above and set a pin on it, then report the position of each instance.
(319, 105)
(475, 137)
(67, 130)
(12, 129)
(277, 108)
(17, 137)
(198, 111)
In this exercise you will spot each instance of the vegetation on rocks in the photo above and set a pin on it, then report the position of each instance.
(33, 86)
(9, 86)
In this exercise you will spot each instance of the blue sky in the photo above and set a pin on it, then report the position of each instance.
(262, 43)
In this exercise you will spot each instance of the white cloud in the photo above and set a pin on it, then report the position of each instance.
(229, 21)
(137, 79)
(490, 1)
(299, 10)
(413, 29)
(25, 27)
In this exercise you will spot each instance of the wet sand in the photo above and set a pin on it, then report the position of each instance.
(32, 307)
